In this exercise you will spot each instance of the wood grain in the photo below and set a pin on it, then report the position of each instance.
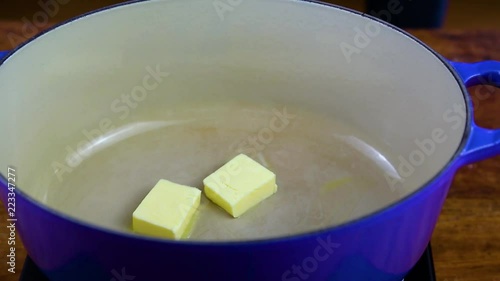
(466, 241)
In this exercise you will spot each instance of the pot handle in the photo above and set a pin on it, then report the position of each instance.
(483, 143)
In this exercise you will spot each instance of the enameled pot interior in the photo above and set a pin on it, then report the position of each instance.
(95, 112)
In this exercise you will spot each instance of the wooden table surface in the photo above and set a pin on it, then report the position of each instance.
(466, 242)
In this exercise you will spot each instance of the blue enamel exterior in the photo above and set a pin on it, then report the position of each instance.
(383, 246)
(3, 54)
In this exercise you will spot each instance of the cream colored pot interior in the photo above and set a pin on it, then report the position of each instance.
(350, 114)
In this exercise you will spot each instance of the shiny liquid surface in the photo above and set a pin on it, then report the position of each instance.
(327, 173)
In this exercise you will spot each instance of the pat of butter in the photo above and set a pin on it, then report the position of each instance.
(239, 185)
(167, 210)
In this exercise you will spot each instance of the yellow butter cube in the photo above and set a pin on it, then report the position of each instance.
(167, 210)
(239, 185)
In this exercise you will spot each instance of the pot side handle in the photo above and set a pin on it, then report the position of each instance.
(483, 143)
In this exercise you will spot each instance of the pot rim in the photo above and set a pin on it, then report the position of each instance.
(452, 163)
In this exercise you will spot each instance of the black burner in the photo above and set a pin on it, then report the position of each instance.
(31, 272)
(423, 271)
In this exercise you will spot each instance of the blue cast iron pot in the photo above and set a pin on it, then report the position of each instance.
(388, 89)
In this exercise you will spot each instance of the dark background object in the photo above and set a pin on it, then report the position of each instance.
(424, 269)
(410, 13)
(31, 272)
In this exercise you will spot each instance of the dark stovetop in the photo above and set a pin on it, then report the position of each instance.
(423, 271)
